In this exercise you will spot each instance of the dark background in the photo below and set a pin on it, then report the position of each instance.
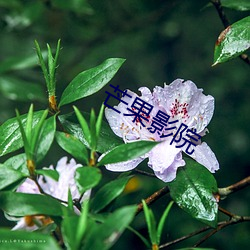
(161, 41)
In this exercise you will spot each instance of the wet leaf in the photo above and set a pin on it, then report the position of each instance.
(9, 176)
(107, 138)
(193, 191)
(90, 81)
(126, 152)
(10, 136)
(20, 204)
(18, 162)
(46, 137)
(53, 174)
(233, 41)
(105, 235)
(73, 146)
(87, 177)
(108, 193)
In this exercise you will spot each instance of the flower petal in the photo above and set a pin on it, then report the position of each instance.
(186, 103)
(66, 180)
(206, 157)
(29, 187)
(164, 159)
(21, 225)
(126, 165)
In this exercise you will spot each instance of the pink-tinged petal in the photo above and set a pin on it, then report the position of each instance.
(146, 95)
(123, 125)
(183, 101)
(164, 159)
(29, 187)
(21, 225)
(48, 185)
(206, 157)
(169, 174)
(86, 196)
(65, 182)
(125, 166)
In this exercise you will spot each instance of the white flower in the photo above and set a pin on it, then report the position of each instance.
(185, 104)
(58, 189)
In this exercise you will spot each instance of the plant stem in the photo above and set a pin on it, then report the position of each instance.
(223, 192)
(152, 198)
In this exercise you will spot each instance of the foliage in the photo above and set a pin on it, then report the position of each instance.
(97, 218)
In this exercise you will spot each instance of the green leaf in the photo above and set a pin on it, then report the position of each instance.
(105, 235)
(16, 240)
(43, 65)
(87, 177)
(151, 223)
(37, 132)
(108, 193)
(82, 223)
(47, 229)
(90, 81)
(193, 191)
(233, 41)
(241, 5)
(69, 230)
(19, 63)
(84, 125)
(53, 174)
(18, 162)
(162, 222)
(28, 127)
(74, 228)
(46, 138)
(8, 176)
(70, 201)
(92, 127)
(73, 146)
(19, 90)
(99, 122)
(22, 131)
(10, 136)
(107, 139)
(20, 204)
(127, 152)
(52, 65)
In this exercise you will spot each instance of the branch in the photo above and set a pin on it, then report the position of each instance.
(235, 220)
(224, 211)
(185, 237)
(226, 23)
(223, 192)
(222, 15)
(144, 173)
(152, 198)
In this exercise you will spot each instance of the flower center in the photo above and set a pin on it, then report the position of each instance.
(180, 110)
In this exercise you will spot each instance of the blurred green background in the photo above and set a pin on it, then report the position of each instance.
(161, 41)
